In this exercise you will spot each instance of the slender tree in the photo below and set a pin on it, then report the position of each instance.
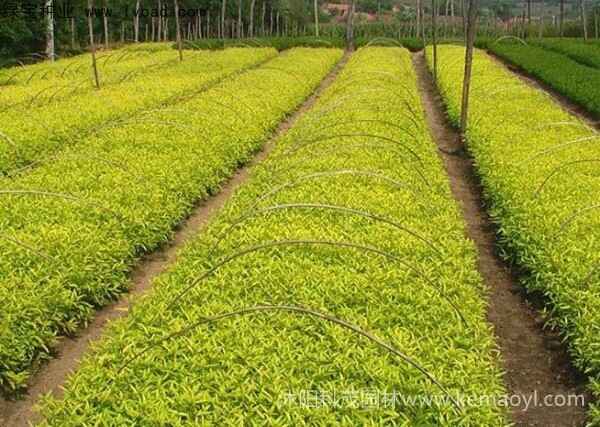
(418, 19)
(561, 18)
(105, 22)
(434, 38)
(239, 20)
(50, 51)
(178, 30)
(583, 19)
(159, 22)
(263, 22)
(350, 26)
(316, 12)
(136, 22)
(223, 10)
(251, 19)
(72, 32)
(542, 11)
(471, 33)
(92, 44)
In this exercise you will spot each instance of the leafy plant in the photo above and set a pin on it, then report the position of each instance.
(570, 78)
(74, 111)
(122, 192)
(171, 357)
(548, 221)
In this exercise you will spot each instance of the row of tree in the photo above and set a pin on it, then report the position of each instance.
(120, 21)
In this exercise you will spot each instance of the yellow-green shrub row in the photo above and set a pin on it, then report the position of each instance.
(42, 87)
(72, 228)
(540, 169)
(34, 135)
(79, 65)
(360, 170)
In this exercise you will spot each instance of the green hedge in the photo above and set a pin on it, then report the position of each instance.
(575, 49)
(32, 133)
(540, 172)
(572, 79)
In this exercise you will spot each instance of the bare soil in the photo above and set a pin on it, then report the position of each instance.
(52, 376)
(534, 358)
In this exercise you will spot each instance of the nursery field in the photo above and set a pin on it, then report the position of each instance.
(564, 72)
(36, 125)
(586, 53)
(332, 225)
(539, 167)
(341, 278)
(118, 193)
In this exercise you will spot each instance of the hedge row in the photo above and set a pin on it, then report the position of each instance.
(73, 228)
(33, 135)
(27, 88)
(283, 43)
(576, 49)
(539, 169)
(570, 78)
(351, 219)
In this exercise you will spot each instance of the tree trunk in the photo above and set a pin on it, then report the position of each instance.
(223, 7)
(541, 29)
(350, 26)
(178, 30)
(463, 9)
(270, 20)
(136, 22)
(251, 22)
(72, 33)
(239, 20)
(561, 19)
(583, 19)
(434, 38)
(316, 8)
(418, 19)
(452, 17)
(422, 5)
(471, 34)
(263, 22)
(105, 21)
(529, 12)
(92, 45)
(50, 52)
(159, 23)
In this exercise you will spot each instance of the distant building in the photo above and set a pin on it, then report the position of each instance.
(337, 11)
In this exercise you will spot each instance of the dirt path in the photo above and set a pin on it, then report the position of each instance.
(71, 350)
(534, 360)
(566, 103)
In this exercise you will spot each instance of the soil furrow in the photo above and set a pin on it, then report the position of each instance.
(535, 361)
(70, 351)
